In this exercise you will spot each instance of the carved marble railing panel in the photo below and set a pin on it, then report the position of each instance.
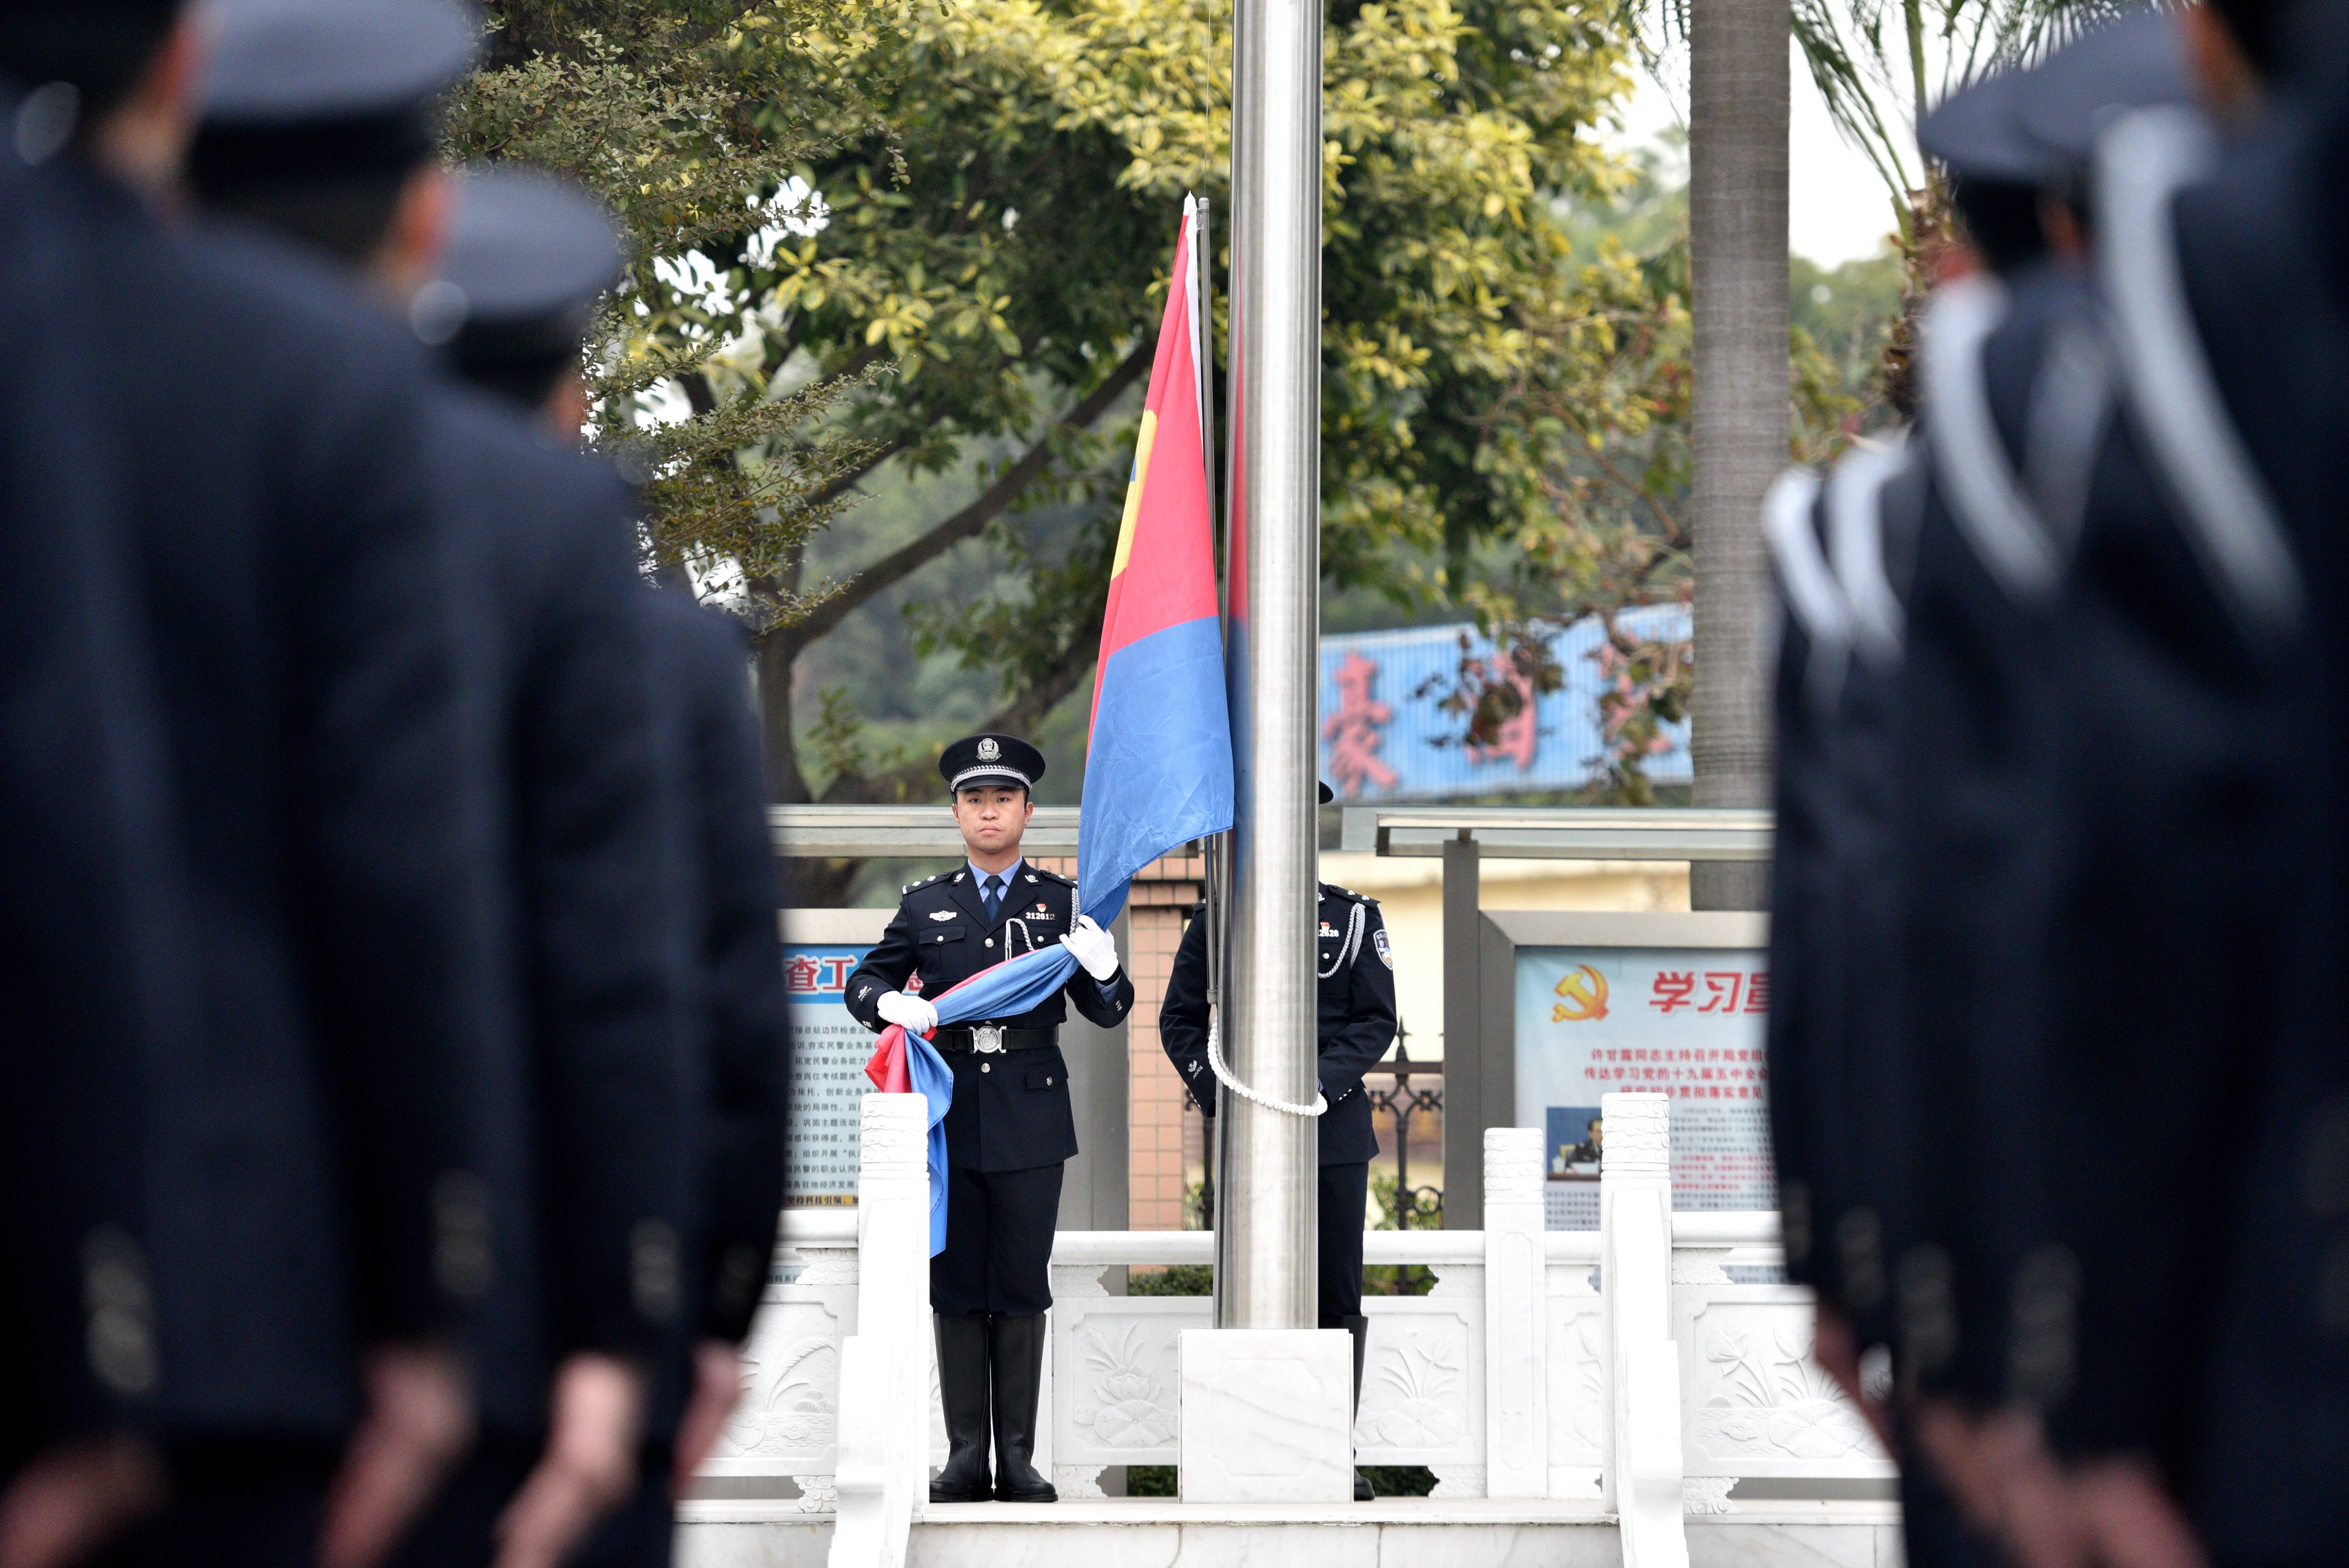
(1114, 1387)
(787, 1423)
(1422, 1382)
(1754, 1401)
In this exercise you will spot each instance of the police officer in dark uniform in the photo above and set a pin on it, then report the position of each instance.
(2212, 573)
(1011, 1126)
(528, 258)
(1918, 735)
(1357, 1023)
(320, 123)
(99, 981)
(313, 1158)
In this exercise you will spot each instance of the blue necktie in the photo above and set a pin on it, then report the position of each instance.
(991, 889)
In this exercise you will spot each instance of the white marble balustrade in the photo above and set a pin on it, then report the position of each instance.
(1617, 1372)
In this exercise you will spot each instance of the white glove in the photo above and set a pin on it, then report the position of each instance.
(911, 1011)
(1094, 948)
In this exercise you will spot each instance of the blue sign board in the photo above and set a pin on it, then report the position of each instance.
(1384, 737)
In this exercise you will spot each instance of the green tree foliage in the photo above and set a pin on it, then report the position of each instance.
(1601, 417)
(898, 245)
(1006, 243)
(690, 120)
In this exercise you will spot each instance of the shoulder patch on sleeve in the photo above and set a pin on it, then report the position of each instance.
(1379, 942)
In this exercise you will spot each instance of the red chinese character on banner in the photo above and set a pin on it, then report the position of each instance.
(1673, 990)
(1354, 731)
(799, 974)
(1758, 992)
(1520, 733)
(1720, 988)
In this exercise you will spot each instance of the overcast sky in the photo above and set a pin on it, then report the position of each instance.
(1836, 206)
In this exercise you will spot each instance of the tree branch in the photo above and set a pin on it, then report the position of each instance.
(1019, 716)
(967, 523)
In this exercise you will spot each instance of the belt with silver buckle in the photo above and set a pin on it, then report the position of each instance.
(992, 1039)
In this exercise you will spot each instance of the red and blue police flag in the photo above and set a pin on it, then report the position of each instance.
(1158, 757)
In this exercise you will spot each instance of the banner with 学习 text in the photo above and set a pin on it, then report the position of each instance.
(1685, 1021)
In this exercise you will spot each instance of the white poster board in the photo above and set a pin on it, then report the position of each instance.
(1638, 1004)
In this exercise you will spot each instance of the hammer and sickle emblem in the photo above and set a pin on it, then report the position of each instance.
(1585, 991)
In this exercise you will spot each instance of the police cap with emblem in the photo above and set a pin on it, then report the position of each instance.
(984, 761)
(528, 257)
(300, 97)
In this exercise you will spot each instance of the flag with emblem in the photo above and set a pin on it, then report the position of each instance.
(1158, 757)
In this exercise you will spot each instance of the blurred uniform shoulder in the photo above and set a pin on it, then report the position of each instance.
(910, 889)
(1031, 871)
(1348, 895)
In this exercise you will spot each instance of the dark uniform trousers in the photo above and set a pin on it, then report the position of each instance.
(1009, 1126)
(1356, 1020)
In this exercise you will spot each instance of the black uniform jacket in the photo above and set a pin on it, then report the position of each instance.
(730, 883)
(1976, 799)
(1357, 1017)
(1010, 1112)
(2270, 1482)
(318, 1147)
(562, 719)
(96, 982)
(1806, 963)
(1832, 1064)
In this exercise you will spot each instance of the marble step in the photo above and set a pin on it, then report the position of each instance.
(1399, 1533)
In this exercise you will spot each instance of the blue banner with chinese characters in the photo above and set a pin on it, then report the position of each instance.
(1385, 736)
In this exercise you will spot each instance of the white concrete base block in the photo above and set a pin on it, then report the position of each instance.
(1266, 1415)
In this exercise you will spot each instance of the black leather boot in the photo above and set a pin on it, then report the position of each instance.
(1360, 1328)
(1015, 1350)
(962, 1389)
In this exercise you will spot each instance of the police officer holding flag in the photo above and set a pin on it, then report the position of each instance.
(1011, 1126)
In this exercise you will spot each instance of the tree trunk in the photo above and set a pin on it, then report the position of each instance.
(1738, 111)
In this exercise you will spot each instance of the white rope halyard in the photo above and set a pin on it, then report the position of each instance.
(1223, 1076)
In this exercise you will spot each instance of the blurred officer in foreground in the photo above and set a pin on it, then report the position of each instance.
(99, 977)
(2204, 776)
(1920, 754)
(528, 258)
(2110, 669)
(317, 1235)
(320, 123)
(2256, 237)
(1356, 1016)
(1009, 1128)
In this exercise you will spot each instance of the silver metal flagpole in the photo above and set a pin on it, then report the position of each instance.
(1265, 1273)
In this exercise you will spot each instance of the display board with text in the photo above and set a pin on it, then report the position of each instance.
(829, 1050)
(1682, 1021)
